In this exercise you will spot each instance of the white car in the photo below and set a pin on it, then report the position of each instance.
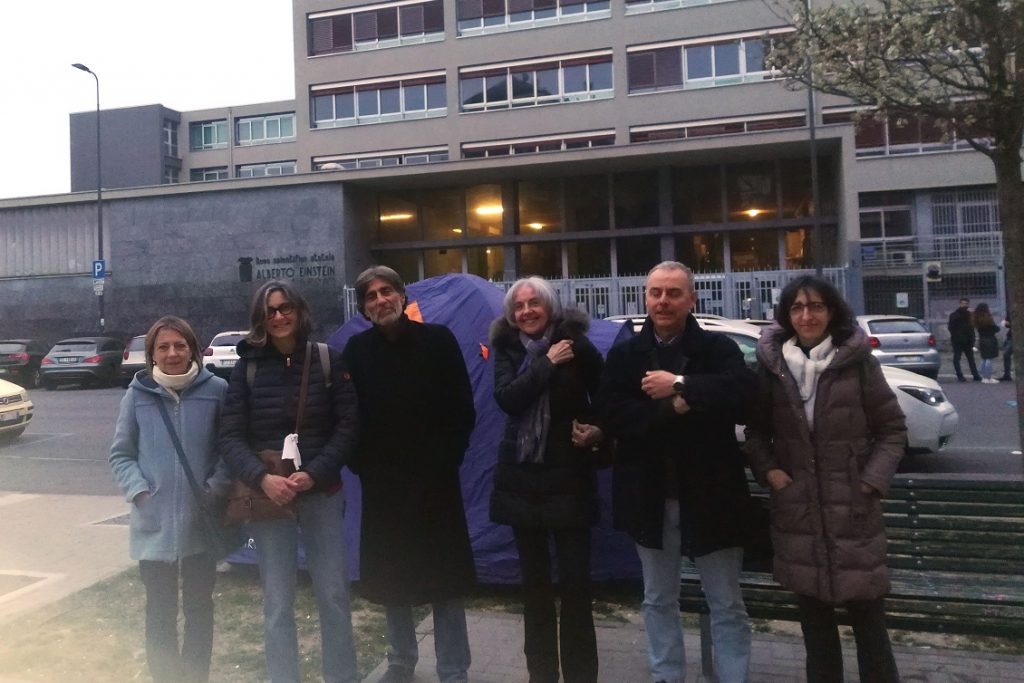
(134, 359)
(220, 356)
(15, 410)
(931, 419)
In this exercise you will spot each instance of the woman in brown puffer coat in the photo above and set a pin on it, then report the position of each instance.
(826, 439)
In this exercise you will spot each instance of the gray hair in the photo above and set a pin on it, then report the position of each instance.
(544, 291)
(377, 273)
(675, 265)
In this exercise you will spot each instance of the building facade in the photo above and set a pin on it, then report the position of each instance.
(573, 139)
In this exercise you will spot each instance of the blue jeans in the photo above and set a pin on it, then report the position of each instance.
(451, 639)
(719, 576)
(986, 368)
(320, 517)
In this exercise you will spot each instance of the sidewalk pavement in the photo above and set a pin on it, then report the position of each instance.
(496, 641)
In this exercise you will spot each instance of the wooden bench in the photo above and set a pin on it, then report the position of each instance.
(956, 553)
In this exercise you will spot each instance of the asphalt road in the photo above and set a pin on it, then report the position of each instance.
(65, 448)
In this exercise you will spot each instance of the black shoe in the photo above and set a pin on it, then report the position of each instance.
(1005, 378)
(977, 379)
(961, 379)
(397, 674)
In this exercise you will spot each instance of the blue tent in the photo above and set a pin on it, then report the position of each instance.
(467, 305)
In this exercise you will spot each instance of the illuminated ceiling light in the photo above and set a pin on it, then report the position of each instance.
(395, 216)
(753, 213)
(488, 250)
(535, 226)
(457, 231)
(490, 210)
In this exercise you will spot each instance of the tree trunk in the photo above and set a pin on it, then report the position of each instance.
(1011, 215)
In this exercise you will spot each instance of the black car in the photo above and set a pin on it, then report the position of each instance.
(19, 361)
(82, 360)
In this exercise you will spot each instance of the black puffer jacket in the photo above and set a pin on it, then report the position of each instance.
(260, 419)
(561, 491)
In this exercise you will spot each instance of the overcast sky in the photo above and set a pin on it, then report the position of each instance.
(185, 54)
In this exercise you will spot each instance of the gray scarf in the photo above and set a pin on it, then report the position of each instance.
(535, 420)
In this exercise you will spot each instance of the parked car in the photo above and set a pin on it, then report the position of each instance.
(220, 356)
(82, 360)
(20, 359)
(15, 410)
(133, 359)
(902, 342)
(931, 419)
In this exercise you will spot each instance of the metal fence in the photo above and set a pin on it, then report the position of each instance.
(732, 295)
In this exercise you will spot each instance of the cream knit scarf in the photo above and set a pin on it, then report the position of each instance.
(174, 384)
(807, 370)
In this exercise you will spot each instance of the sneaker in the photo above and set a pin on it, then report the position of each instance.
(990, 381)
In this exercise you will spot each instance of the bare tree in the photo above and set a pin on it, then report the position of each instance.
(956, 65)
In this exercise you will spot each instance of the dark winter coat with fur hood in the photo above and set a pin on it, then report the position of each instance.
(561, 491)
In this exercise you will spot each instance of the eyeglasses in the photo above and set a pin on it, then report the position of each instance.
(284, 309)
(813, 307)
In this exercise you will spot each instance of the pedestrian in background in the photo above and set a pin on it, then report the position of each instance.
(166, 534)
(826, 438)
(546, 375)
(260, 410)
(1007, 350)
(961, 335)
(988, 345)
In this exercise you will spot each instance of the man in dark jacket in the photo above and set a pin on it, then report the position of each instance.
(416, 415)
(672, 396)
(961, 334)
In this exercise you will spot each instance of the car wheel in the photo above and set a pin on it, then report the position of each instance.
(933, 374)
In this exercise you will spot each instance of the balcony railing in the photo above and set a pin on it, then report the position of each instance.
(982, 248)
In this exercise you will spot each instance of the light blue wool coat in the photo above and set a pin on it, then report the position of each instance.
(168, 526)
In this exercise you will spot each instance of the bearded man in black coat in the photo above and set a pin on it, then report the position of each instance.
(416, 415)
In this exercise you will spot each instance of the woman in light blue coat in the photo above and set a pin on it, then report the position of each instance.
(166, 533)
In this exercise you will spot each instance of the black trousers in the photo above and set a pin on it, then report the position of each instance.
(545, 634)
(1007, 361)
(967, 350)
(821, 639)
(192, 663)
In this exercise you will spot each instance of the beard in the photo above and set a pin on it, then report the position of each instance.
(386, 317)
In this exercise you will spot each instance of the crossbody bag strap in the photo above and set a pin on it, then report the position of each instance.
(193, 484)
(304, 386)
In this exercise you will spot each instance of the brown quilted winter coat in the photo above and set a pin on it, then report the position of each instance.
(829, 537)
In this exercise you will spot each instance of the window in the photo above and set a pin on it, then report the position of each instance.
(170, 175)
(698, 65)
(273, 168)
(476, 17)
(170, 138)
(259, 130)
(203, 174)
(751, 191)
(208, 135)
(568, 79)
(479, 150)
(886, 227)
(378, 159)
(700, 129)
(642, 6)
(412, 97)
(897, 134)
(354, 30)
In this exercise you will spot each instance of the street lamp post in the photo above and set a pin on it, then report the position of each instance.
(99, 185)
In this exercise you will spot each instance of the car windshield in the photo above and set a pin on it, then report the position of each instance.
(908, 326)
(227, 340)
(77, 346)
(11, 348)
(137, 344)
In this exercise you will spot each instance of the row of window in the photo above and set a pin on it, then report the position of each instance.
(346, 31)
(533, 146)
(250, 130)
(488, 16)
(349, 105)
(897, 134)
(377, 160)
(698, 65)
(243, 171)
(703, 129)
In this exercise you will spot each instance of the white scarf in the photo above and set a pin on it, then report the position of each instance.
(807, 370)
(175, 383)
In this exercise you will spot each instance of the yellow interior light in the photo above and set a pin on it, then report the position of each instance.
(457, 231)
(753, 213)
(535, 226)
(395, 216)
(490, 210)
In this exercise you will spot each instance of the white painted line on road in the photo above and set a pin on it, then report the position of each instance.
(43, 458)
(42, 438)
(46, 579)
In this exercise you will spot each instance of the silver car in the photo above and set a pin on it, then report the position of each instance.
(902, 342)
(82, 360)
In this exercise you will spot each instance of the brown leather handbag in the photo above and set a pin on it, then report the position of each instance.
(249, 504)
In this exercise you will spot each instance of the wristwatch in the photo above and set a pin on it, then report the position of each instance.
(677, 386)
